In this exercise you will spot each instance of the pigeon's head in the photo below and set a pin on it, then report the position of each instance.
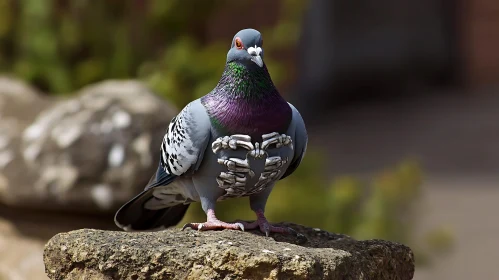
(246, 47)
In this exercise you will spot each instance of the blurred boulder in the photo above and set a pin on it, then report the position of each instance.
(19, 105)
(17, 96)
(176, 254)
(89, 153)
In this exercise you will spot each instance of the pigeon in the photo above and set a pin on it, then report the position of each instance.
(236, 141)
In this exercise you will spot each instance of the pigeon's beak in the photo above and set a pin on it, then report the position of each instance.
(258, 60)
(255, 55)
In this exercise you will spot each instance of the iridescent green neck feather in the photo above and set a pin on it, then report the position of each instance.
(239, 80)
(246, 101)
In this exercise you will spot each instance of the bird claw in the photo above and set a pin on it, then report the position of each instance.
(186, 226)
(241, 226)
(292, 231)
(266, 229)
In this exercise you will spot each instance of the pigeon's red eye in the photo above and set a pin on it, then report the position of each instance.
(239, 44)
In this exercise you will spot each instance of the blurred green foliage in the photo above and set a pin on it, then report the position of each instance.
(60, 46)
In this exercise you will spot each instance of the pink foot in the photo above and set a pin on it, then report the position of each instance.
(213, 223)
(266, 227)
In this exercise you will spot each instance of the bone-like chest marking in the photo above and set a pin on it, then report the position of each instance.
(234, 180)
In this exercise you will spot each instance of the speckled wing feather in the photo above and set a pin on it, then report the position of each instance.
(300, 141)
(182, 151)
(186, 140)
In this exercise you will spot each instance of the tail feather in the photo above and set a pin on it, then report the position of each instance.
(134, 217)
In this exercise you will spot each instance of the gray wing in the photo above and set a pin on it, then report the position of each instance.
(300, 140)
(186, 140)
(182, 151)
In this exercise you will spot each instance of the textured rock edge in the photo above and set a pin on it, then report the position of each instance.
(175, 254)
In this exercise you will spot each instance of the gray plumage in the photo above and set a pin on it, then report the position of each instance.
(203, 162)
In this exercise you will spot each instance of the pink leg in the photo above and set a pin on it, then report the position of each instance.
(212, 222)
(265, 227)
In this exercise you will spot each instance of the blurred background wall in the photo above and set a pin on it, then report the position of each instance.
(400, 100)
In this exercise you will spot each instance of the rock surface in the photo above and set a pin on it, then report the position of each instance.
(175, 254)
(19, 105)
